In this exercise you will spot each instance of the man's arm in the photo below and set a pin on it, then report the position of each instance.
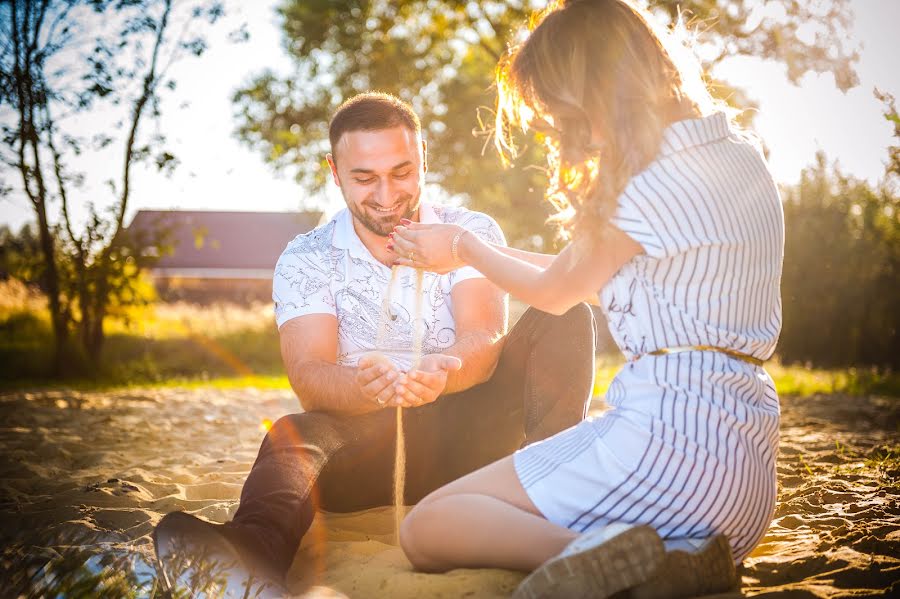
(309, 346)
(480, 312)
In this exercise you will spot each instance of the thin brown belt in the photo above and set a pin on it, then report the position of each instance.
(722, 350)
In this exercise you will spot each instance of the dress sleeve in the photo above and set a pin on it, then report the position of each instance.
(651, 213)
(301, 286)
(487, 229)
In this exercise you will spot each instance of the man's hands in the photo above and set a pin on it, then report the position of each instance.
(375, 375)
(383, 383)
(426, 381)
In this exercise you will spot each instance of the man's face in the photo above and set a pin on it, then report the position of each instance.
(380, 174)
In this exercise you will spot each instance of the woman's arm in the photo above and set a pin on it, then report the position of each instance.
(535, 258)
(567, 280)
(541, 261)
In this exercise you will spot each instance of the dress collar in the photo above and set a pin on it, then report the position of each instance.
(694, 132)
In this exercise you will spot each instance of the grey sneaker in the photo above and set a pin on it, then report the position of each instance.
(597, 564)
(194, 555)
(692, 567)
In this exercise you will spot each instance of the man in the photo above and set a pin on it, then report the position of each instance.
(476, 395)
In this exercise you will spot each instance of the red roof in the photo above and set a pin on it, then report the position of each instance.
(224, 240)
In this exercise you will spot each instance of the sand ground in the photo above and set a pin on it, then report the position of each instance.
(99, 469)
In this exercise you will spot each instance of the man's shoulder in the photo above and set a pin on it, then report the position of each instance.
(479, 223)
(316, 241)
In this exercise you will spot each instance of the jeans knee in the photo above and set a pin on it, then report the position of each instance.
(284, 427)
(581, 317)
(289, 430)
(572, 331)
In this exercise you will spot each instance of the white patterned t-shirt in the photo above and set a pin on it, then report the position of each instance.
(330, 271)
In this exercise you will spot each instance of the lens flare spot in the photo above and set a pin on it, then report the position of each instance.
(265, 425)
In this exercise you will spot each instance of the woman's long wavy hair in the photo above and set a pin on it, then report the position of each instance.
(595, 69)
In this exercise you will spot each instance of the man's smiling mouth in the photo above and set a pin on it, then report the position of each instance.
(387, 210)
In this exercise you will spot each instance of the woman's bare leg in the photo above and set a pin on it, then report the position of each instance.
(484, 519)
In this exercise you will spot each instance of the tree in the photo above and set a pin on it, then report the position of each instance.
(440, 56)
(20, 255)
(65, 60)
(892, 169)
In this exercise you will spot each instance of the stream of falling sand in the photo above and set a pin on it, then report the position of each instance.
(417, 339)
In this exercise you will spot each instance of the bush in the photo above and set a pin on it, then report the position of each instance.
(841, 266)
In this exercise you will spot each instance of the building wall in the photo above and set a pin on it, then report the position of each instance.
(210, 291)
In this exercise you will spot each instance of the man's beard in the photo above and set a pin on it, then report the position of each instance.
(383, 226)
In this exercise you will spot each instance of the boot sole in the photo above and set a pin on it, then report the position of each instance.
(200, 536)
(626, 560)
(708, 570)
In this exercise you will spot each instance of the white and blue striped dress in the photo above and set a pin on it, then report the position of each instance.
(688, 445)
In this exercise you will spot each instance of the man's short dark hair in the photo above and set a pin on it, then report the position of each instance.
(371, 111)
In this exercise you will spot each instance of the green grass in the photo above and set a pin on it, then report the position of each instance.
(798, 380)
(792, 379)
(161, 345)
(881, 463)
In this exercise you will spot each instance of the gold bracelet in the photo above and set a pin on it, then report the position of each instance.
(454, 246)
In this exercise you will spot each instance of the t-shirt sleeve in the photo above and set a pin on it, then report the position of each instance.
(650, 213)
(487, 229)
(301, 286)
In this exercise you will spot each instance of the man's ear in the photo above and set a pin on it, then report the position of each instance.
(424, 156)
(330, 158)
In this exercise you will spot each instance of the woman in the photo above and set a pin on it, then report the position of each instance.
(675, 218)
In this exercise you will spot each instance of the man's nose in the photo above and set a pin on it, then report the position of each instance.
(386, 193)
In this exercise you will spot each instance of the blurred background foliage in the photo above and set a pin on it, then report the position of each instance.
(441, 56)
(841, 281)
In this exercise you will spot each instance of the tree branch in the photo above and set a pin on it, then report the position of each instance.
(21, 97)
(60, 183)
(150, 81)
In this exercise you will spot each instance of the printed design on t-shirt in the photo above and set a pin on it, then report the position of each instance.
(304, 280)
(438, 339)
(307, 266)
(359, 319)
(436, 296)
(317, 240)
(368, 277)
(477, 223)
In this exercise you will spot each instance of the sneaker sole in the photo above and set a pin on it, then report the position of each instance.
(624, 561)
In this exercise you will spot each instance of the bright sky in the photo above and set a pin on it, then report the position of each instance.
(217, 172)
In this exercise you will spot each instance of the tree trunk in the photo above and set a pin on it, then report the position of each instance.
(93, 330)
(58, 319)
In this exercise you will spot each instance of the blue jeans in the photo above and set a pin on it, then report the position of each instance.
(316, 460)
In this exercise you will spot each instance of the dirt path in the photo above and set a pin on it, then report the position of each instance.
(100, 469)
(836, 531)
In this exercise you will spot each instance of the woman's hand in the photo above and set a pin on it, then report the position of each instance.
(426, 246)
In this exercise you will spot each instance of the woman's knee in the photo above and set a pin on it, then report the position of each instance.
(415, 536)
